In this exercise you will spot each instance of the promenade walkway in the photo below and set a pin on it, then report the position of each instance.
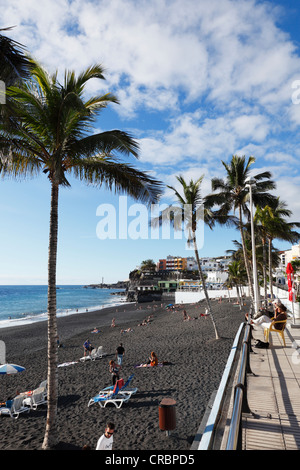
(274, 393)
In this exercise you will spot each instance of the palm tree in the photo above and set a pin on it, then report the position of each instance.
(52, 135)
(277, 227)
(148, 265)
(233, 195)
(186, 217)
(262, 217)
(236, 275)
(14, 65)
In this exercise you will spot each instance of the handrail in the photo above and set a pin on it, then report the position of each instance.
(210, 428)
(240, 396)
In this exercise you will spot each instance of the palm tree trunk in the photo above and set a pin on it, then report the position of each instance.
(50, 438)
(204, 286)
(245, 256)
(265, 273)
(270, 269)
(239, 295)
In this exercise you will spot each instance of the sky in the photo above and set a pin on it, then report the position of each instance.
(198, 81)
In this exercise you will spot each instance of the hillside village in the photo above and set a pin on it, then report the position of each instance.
(152, 280)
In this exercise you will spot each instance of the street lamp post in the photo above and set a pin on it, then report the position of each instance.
(255, 281)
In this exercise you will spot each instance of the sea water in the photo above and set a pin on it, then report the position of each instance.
(20, 305)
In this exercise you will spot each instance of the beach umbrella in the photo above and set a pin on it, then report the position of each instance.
(290, 278)
(8, 369)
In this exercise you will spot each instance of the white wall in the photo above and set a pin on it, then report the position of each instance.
(184, 297)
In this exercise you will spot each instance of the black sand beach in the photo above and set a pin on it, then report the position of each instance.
(196, 364)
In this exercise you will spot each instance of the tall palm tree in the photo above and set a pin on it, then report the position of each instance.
(233, 195)
(277, 227)
(261, 218)
(52, 134)
(186, 216)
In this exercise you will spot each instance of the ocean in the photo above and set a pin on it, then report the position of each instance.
(21, 305)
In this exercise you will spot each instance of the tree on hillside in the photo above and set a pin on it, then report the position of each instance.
(148, 265)
(53, 135)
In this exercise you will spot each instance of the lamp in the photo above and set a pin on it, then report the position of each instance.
(250, 182)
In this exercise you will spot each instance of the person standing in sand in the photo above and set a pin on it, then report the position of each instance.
(87, 347)
(106, 440)
(120, 353)
(114, 369)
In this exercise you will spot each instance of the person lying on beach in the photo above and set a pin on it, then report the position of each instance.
(206, 314)
(87, 347)
(95, 330)
(113, 323)
(128, 330)
(145, 322)
(188, 318)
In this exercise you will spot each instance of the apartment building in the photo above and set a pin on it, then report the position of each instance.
(172, 263)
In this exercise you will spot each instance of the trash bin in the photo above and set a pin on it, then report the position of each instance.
(167, 415)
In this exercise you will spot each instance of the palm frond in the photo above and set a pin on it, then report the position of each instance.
(119, 177)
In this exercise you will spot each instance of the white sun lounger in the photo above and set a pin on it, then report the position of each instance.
(117, 398)
(15, 408)
(96, 353)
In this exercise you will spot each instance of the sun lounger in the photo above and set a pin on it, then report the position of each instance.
(116, 397)
(124, 388)
(14, 407)
(96, 353)
(38, 397)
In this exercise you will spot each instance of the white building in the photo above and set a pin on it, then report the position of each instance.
(289, 255)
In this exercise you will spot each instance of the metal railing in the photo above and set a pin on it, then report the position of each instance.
(208, 436)
(240, 353)
(240, 404)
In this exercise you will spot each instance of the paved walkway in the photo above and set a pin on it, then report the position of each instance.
(274, 393)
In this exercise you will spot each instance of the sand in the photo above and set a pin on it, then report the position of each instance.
(196, 362)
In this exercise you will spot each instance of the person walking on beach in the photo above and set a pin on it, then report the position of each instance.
(106, 440)
(120, 353)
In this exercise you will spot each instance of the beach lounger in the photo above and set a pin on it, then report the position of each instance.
(96, 353)
(116, 397)
(123, 388)
(14, 407)
(43, 384)
(38, 397)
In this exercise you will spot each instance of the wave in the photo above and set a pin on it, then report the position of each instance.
(29, 318)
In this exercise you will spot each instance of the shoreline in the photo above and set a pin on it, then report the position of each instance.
(196, 363)
(30, 317)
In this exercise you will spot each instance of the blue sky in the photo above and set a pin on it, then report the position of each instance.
(198, 81)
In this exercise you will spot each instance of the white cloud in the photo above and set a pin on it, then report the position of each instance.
(227, 60)
(154, 50)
